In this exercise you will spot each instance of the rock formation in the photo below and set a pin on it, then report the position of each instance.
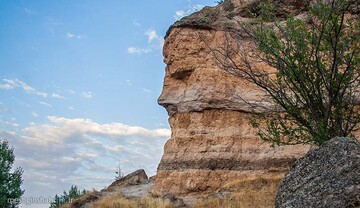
(135, 178)
(212, 142)
(133, 186)
(325, 177)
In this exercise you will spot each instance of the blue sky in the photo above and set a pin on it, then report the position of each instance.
(79, 80)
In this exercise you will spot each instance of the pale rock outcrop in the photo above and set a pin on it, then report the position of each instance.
(135, 178)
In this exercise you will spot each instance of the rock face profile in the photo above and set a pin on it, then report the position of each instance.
(326, 177)
(212, 142)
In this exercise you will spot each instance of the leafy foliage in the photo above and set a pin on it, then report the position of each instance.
(67, 197)
(10, 182)
(316, 81)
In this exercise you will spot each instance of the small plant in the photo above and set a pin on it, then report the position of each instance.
(119, 173)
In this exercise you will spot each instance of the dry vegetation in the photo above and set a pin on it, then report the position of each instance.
(246, 193)
(118, 201)
(250, 192)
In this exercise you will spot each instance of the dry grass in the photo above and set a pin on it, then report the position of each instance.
(118, 201)
(66, 206)
(246, 193)
(86, 198)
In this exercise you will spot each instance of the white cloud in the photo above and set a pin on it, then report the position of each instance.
(11, 124)
(80, 36)
(155, 43)
(87, 126)
(87, 94)
(152, 35)
(179, 14)
(161, 43)
(71, 108)
(71, 91)
(6, 86)
(45, 104)
(82, 152)
(189, 10)
(70, 35)
(129, 83)
(138, 51)
(16, 83)
(35, 114)
(147, 91)
(55, 95)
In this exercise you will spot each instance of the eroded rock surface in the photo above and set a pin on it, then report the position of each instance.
(212, 142)
(135, 178)
(325, 177)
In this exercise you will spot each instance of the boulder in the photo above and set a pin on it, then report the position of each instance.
(135, 178)
(325, 177)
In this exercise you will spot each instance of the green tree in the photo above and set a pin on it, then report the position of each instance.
(56, 202)
(10, 182)
(316, 81)
(67, 197)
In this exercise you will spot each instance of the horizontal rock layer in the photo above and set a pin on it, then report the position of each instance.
(213, 147)
(221, 140)
(212, 142)
(194, 81)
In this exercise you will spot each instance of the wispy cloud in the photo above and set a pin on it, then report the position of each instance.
(11, 124)
(152, 35)
(136, 22)
(147, 91)
(179, 14)
(6, 86)
(87, 126)
(55, 95)
(71, 91)
(71, 108)
(35, 114)
(70, 35)
(45, 104)
(138, 51)
(72, 151)
(16, 83)
(155, 42)
(30, 12)
(191, 8)
(87, 94)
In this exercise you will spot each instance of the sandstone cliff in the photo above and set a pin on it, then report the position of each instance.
(212, 142)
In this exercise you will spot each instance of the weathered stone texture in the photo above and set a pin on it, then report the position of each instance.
(326, 177)
(212, 142)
